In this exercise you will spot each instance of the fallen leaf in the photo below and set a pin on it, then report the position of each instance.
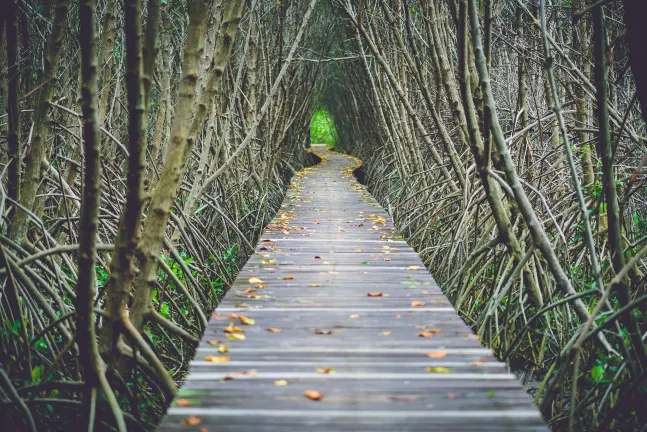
(219, 359)
(289, 277)
(413, 268)
(353, 316)
(249, 290)
(477, 362)
(280, 382)
(236, 336)
(255, 280)
(405, 398)
(322, 332)
(183, 403)
(193, 421)
(438, 369)
(375, 294)
(214, 342)
(385, 333)
(451, 395)
(437, 354)
(325, 371)
(387, 259)
(313, 395)
(247, 321)
(314, 285)
(425, 334)
(223, 348)
(273, 330)
(231, 329)
(317, 257)
(417, 303)
(233, 315)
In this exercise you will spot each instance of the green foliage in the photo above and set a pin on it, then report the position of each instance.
(322, 128)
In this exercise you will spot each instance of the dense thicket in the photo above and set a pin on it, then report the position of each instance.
(147, 143)
(145, 146)
(507, 140)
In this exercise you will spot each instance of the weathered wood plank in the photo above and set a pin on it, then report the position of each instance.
(397, 359)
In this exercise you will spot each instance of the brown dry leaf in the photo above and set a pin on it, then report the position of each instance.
(437, 354)
(183, 403)
(247, 321)
(322, 332)
(405, 398)
(375, 294)
(417, 303)
(273, 330)
(280, 383)
(223, 348)
(255, 280)
(289, 277)
(233, 315)
(387, 259)
(451, 395)
(236, 336)
(325, 371)
(313, 395)
(386, 333)
(192, 421)
(353, 316)
(425, 334)
(219, 359)
(214, 342)
(317, 257)
(249, 290)
(314, 285)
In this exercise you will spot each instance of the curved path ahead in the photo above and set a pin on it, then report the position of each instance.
(345, 313)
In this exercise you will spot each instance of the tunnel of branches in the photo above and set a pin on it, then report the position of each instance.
(146, 144)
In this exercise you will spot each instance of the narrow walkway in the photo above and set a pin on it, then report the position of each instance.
(346, 332)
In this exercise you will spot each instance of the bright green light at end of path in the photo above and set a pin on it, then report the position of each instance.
(322, 128)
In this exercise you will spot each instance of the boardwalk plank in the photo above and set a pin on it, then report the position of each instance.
(329, 246)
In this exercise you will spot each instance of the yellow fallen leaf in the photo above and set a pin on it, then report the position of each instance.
(214, 342)
(353, 316)
(231, 329)
(280, 382)
(247, 321)
(387, 259)
(219, 359)
(314, 285)
(183, 403)
(413, 268)
(385, 333)
(255, 280)
(273, 330)
(313, 395)
(417, 303)
(236, 336)
(289, 277)
(438, 369)
(437, 354)
(223, 348)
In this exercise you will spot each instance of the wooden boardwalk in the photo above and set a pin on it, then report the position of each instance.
(347, 312)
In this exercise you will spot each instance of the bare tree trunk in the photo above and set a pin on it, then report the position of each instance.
(36, 151)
